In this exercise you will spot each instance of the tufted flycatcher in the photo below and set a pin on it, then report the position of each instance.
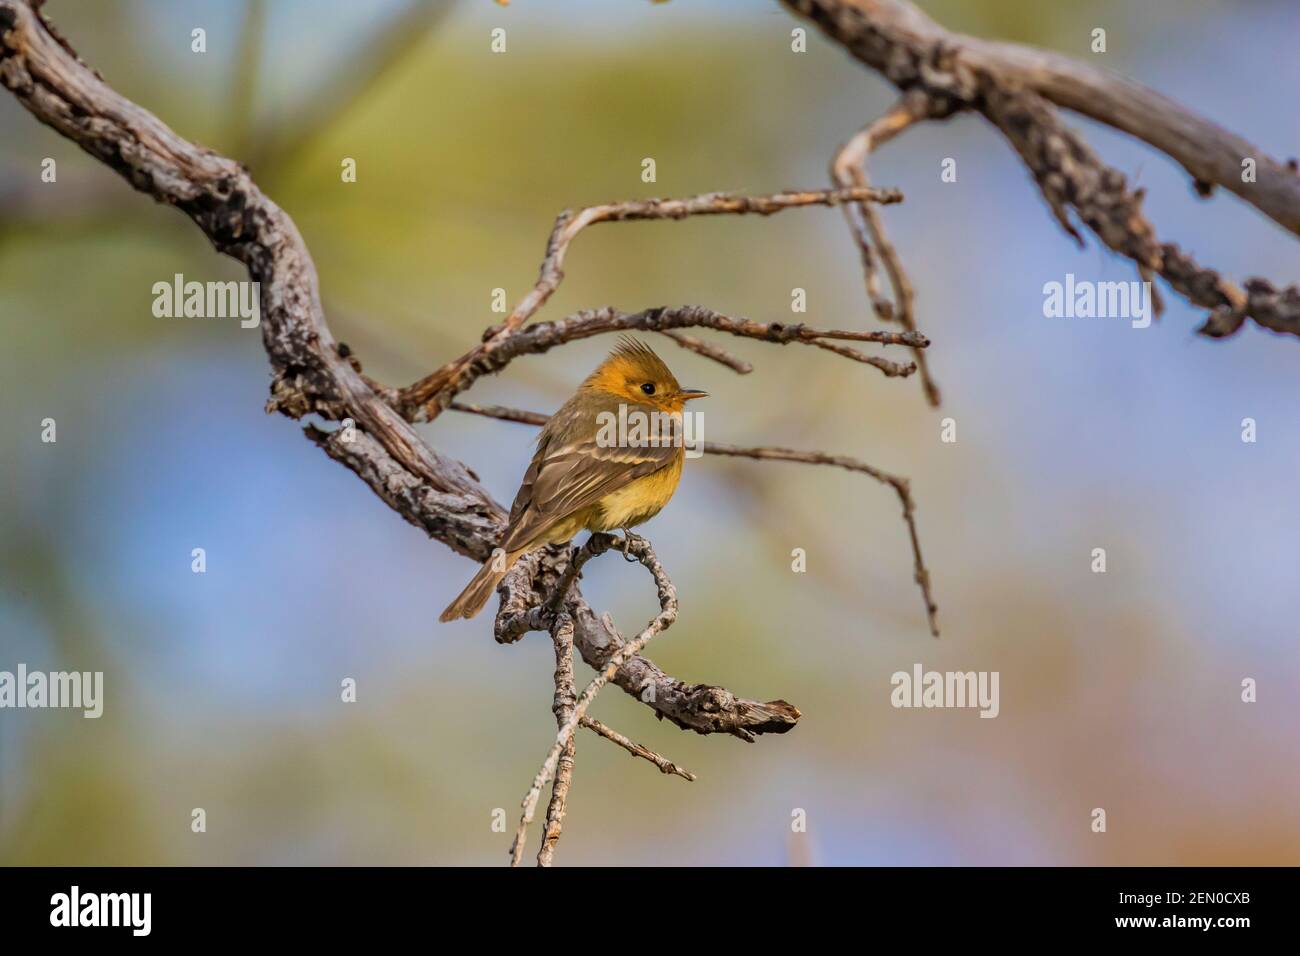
(587, 474)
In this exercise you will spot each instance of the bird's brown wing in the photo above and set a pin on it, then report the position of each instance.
(565, 478)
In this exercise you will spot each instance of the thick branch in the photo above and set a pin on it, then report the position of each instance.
(1015, 88)
(703, 708)
(218, 194)
(1072, 177)
(909, 49)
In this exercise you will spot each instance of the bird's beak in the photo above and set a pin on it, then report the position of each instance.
(688, 393)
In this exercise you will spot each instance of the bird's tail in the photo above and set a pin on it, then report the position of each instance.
(480, 588)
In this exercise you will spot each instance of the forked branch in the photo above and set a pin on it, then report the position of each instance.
(597, 544)
(849, 169)
(426, 398)
(1018, 89)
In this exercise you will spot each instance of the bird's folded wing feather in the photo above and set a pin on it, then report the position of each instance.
(566, 478)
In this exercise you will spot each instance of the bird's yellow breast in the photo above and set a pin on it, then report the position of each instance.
(637, 501)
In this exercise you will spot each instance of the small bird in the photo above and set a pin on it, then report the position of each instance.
(585, 473)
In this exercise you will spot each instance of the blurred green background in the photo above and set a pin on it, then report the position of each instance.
(1118, 690)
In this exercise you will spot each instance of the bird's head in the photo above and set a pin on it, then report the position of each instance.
(635, 374)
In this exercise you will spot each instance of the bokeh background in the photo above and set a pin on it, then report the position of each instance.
(1118, 690)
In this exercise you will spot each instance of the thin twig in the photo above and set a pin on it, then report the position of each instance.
(501, 412)
(635, 749)
(543, 336)
(710, 351)
(430, 395)
(849, 169)
(562, 707)
(902, 487)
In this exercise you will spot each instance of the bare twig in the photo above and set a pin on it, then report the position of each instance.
(543, 336)
(849, 169)
(518, 415)
(636, 750)
(901, 486)
(703, 708)
(598, 544)
(710, 351)
(430, 395)
(565, 698)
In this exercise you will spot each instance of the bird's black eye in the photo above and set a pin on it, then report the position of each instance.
(648, 388)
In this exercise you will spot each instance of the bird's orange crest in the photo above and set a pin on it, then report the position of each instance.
(634, 373)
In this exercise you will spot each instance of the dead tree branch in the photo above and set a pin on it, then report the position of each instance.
(1018, 89)
(541, 337)
(849, 169)
(636, 750)
(598, 544)
(902, 487)
(565, 700)
(710, 351)
(939, 73)
(426, 398)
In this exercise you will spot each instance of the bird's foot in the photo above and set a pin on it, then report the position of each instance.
(628, 540)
